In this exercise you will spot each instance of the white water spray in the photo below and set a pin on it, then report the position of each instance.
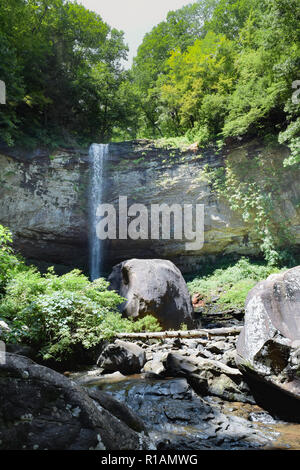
(97, 155)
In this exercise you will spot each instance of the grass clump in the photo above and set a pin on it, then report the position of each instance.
(181, 142)
(232, 282)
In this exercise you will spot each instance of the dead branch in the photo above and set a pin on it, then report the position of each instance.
(206, 333)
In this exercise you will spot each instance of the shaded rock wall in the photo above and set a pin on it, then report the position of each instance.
(44, 201)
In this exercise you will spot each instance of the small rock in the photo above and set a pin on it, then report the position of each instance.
(217, 347)
(229, 358)
(155, 367)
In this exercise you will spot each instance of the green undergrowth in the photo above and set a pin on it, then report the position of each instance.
(181, 142)
(231, 282)
(58, 315)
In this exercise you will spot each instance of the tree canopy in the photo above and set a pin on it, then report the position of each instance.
(213, 70)
(62, 67)
(219, 69)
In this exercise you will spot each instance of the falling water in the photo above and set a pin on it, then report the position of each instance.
(97, 155)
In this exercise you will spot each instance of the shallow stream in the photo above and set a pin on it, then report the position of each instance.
(177, 418)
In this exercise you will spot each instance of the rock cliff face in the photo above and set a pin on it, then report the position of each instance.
(44, 201)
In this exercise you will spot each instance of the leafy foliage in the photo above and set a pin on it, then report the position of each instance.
(57, 314)
(62, 67)
(233, 281)
(229, 75)
(212, 70)
(10, 264)
(258, 200)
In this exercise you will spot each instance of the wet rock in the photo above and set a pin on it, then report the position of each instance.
(178, 419)
(123, 356)
(117, 409)
(45, 410)
(160, 401)
(268, 348)
(262, 417)
(153, 287)
(155, 367)
(209, 376)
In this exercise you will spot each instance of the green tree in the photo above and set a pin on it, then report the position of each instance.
(179, 31)
(196, 87)
(267, 65)
(229, 16)
(57, 47)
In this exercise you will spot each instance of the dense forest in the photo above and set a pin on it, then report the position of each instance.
(213, 70)
(168, 348)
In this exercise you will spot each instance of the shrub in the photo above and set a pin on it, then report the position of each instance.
(62, 321)
(9, 262)
(233, 281)
(57, 314)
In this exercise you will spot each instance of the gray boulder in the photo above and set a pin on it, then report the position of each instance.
(41, 409)
(209, 377)
(127, 358)
(153, 287)
(268, 348)
(117, 409)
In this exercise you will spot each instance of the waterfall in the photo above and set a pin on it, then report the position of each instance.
(97, 156)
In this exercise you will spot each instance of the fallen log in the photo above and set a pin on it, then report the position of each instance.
(206, 333)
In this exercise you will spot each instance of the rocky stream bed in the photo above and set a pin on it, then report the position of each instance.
(223, 415)
(178, 419)
(230, 383)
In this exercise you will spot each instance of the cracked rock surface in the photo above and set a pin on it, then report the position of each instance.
(42, 409)
(268, 348)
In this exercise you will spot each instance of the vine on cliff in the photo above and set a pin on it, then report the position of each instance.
(253, 183)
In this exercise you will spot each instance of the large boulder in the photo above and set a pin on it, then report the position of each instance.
(127, 358)
(41, 409)
(268, 348)
(118, 409)
(153, 287)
